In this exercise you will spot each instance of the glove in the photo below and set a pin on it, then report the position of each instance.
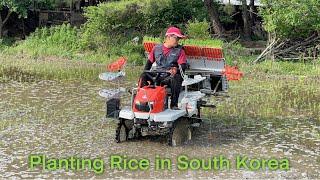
(173, 71)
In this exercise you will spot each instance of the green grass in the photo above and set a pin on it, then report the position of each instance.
(23, 69)
(282, 68)
(5, 43)
(265, 97)
(235, 54)
(28, 69)
(52, 67)
(65, 42)
(272, 91)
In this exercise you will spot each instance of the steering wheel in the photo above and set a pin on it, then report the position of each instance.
(154, 74)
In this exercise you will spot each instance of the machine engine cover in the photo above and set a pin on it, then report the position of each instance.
(155, 96)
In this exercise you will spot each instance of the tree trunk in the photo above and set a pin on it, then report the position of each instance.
(252, 11)
(0, 31)
(214, 17)
(2, 23)
(246, 22)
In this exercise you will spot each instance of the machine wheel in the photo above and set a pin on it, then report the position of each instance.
(180, 133)
(122, 132)
(138, 134)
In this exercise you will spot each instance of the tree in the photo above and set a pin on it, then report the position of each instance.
(214, 17)
(252, 12)
(291, 18)
(246, 20)
(118, 20)
(7, 7)
(293, 27)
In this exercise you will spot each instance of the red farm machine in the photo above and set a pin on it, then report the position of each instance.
(149, 114)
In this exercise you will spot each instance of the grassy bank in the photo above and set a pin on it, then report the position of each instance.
(23, 67)
(26, 69)
(273, 98)
(57, 67)
(269, 91)
(287, 68)
(65, 42)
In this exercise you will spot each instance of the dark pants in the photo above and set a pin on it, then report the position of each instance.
(174, 82)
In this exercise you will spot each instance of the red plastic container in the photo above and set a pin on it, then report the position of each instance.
(214, 53)
(194, 51)
(148, 46)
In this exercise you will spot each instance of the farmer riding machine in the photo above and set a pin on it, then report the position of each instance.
(149, 113)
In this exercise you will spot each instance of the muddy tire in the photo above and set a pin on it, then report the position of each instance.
(180, 133)
(137, 134)
(122, 132)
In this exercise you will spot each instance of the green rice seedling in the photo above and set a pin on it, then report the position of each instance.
(202, 43)
(214, 43)
(152, 39)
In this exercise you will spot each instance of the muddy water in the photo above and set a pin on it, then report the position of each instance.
(67, 119)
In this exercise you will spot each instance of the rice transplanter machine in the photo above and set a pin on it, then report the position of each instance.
(149, 112)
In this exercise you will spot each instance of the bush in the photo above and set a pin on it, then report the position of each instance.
(198, 30)
(177, 14)
(126, 19)
(6, 42)
(291, 18)
(64, 41)
(60, 40)
(120, 19)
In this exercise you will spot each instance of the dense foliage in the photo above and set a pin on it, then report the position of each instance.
(136, 17)
(198, 30)
(64, 41)
(18, 6)
(57, 40)
(116, 19)
(111, 27)
(291, 18)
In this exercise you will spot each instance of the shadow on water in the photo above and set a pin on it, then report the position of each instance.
(212, 133)
(209, 134)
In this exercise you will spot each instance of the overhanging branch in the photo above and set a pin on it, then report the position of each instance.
(8, 15)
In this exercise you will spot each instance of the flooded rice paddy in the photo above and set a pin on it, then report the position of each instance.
(264, 117)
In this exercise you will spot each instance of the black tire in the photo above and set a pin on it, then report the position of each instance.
(122, 132)
(137, 134)
(180, 133)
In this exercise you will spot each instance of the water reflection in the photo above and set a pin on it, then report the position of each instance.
(67, 119)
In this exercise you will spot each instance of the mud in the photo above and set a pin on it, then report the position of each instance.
(67, 119)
